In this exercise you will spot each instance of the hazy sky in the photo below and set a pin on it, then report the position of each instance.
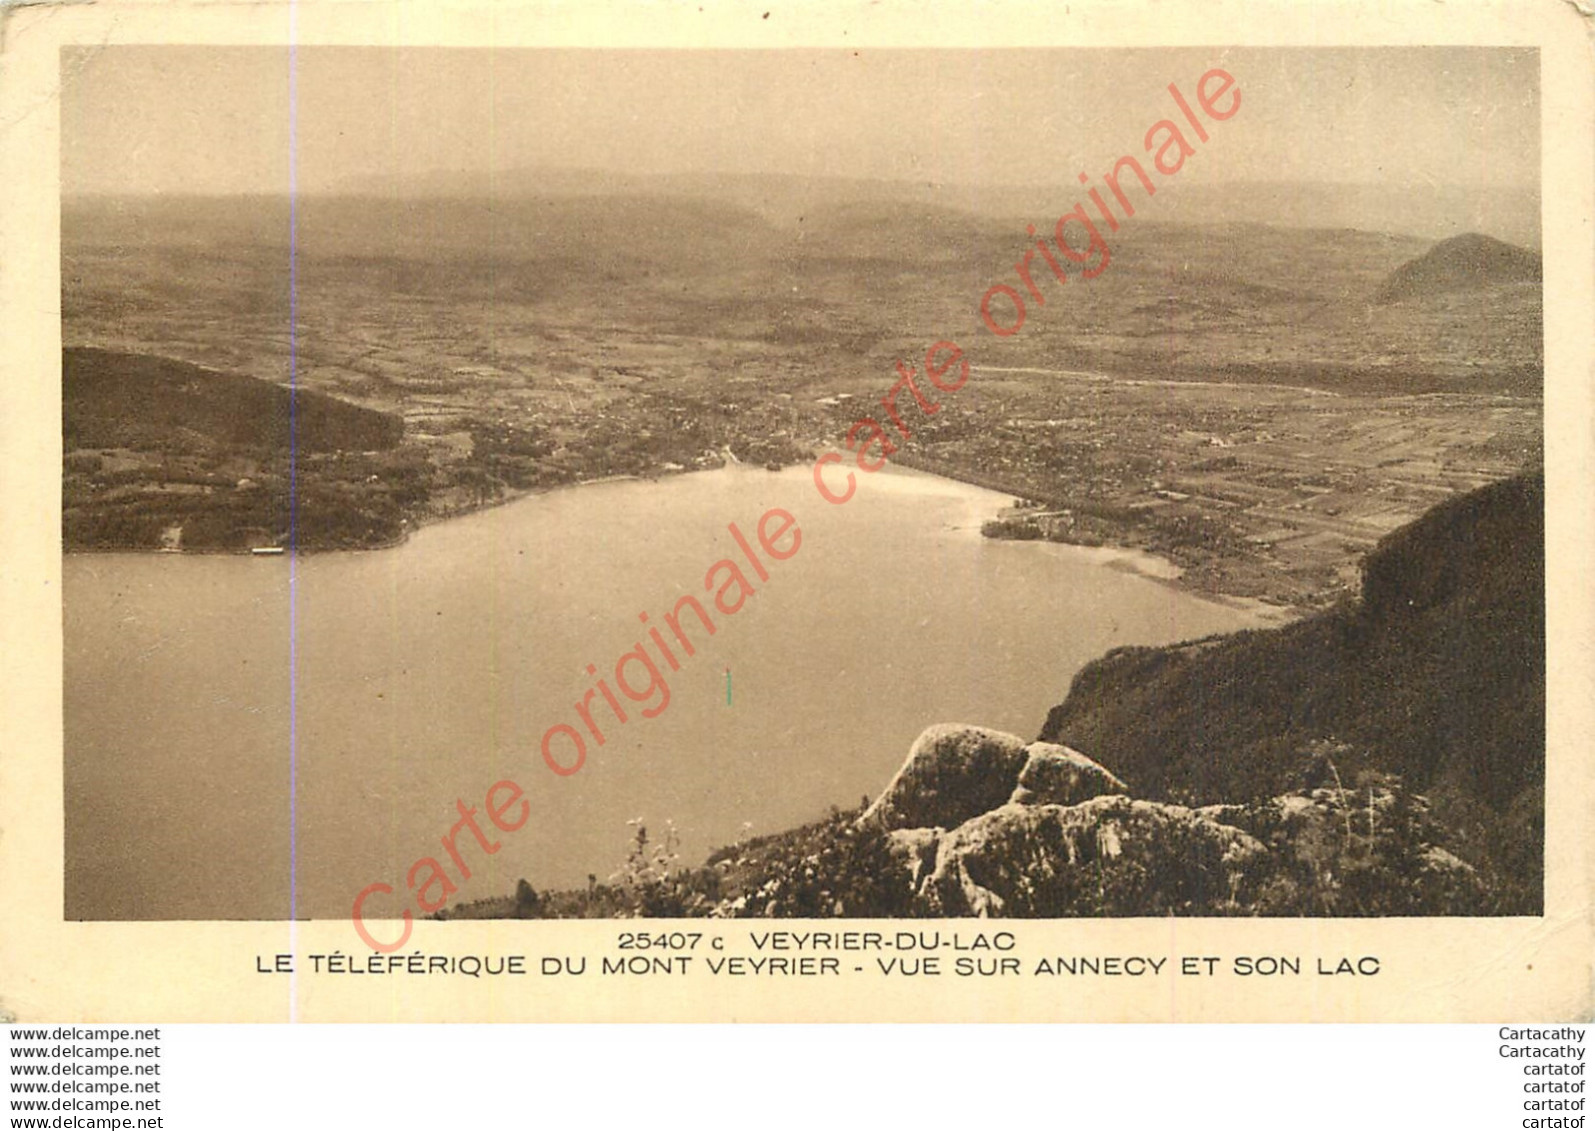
(207, 119)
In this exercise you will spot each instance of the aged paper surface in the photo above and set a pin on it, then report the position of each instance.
(540, 466)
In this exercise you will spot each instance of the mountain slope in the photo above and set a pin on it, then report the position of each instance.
(1437, 675)
(112, 399)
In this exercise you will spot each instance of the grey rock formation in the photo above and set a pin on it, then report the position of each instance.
(916, 849)
(952, 773)
(980, 823)
(1057, 775)
(1108, 856)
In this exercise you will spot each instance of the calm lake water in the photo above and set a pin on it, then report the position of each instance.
(425, 673)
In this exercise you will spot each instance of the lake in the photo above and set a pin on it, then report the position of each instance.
(417, 675)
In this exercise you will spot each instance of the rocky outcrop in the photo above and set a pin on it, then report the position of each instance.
(915, 850)
(1343, 845)
(954, 773)
(1109, 856)
(1068, 841)
(1057, 775)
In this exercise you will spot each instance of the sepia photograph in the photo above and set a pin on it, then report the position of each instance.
(937, 483)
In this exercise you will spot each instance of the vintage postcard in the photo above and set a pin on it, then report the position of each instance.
(850, 512)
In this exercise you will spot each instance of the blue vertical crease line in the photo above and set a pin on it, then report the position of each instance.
(293, 477)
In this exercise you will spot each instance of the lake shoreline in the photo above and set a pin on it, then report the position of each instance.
(1122, 554)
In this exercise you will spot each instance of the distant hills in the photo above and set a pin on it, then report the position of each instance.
(739, 221)
(847, 283)
(1426, 211)
(1467, 262)
(577, 234)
